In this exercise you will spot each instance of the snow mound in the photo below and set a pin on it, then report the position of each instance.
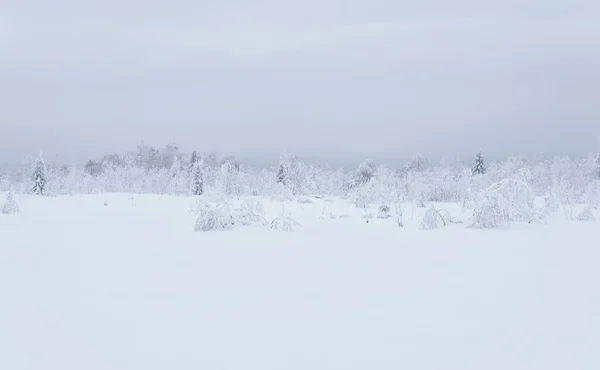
(586, 215)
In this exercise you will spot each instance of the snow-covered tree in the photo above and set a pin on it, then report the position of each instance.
(39, 176)
(93, 168)
(229, 176)
(282, 170)
(364, 173)
(491, 211)
(597, 164)
(418, 164)
(176, 177)
(479, 165)
(197, 179)
(193, 161)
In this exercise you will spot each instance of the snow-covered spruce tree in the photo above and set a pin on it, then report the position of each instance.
(197, 179)
(193, 161)
(10, 205)
(39, 176)
(282, 171)
(479, 165)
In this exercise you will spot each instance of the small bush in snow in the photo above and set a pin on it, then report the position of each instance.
(398, 213)
(250, 212)
(383, 211)
(10, 206)
(304, 200)
(432, 219)
(518, 198)
(490, 212)
(214, 218)
(223, 216)
(284, 223)
(586, 215)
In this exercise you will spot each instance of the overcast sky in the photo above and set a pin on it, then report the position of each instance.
(324, 78)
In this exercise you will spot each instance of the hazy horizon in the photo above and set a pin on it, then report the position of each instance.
(328, 79)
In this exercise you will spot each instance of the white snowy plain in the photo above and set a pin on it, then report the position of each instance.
(130, 285)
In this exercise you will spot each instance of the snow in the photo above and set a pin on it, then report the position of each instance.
(130, 285)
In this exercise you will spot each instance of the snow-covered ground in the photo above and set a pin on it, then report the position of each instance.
(130, 285)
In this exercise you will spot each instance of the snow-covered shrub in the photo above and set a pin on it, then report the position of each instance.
(10, 206)
(250, 212)
(491, 211)
(517, 198)
(384, 211)
(304, 200)
(586, 215)
(368, 215)
(364, 194)
(284, 223)
(224, 216)
(217, 217)
(432, 219)
(566, 197)
(398, 213)
(364, 173)
(550, 203)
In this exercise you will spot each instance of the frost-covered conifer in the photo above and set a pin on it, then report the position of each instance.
(193, 160)
(282, 171)
(197, 179)
(39, 177)
(175, 167)
(479, 165)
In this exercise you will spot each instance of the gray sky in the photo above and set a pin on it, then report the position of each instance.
(326, 78)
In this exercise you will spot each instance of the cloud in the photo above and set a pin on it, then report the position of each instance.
(319, 77)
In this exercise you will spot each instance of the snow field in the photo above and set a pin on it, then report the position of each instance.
(130, 285)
